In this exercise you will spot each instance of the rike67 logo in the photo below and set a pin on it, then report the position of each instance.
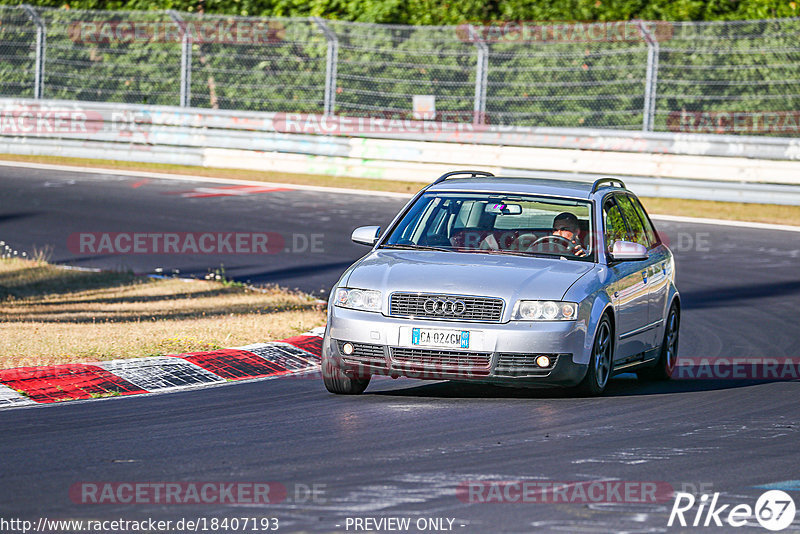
(774, 510)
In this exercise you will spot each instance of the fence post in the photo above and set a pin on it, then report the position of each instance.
(41, 43)
(651, 79)
(331, 63)
(186, 59)
(481, 77)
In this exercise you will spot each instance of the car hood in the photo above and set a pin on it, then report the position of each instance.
(506, 276)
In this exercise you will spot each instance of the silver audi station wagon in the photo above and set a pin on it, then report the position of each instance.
(511, 281)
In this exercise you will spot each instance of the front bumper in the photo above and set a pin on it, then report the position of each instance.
(506, 353)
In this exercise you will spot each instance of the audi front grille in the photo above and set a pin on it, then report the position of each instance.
(446, 307)
(441, 360)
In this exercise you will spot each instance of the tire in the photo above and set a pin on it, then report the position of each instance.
(665, 365)
(336, 381)
(599, 372)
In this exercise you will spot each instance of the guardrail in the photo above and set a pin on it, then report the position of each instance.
(714, 167)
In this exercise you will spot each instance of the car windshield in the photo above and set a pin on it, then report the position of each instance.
(495, 223)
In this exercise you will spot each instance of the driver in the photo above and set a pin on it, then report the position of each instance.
(566, 225)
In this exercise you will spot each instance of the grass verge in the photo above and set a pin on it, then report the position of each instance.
(51, 315)
(737, 211)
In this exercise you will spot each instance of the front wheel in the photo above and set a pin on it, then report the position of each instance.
(596, 379)
(337, 381)
(665, 365)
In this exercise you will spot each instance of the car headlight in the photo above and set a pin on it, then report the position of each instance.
(545, 310)
(358, 299)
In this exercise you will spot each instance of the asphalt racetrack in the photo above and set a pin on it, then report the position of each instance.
(404, 449)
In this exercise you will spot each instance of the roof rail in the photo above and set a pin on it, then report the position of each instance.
(607, 180)
(472, 174)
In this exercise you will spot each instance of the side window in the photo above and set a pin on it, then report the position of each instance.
(634, 222)
(648, 226)
(614, 225)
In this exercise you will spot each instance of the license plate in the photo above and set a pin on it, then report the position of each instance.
(433, 337)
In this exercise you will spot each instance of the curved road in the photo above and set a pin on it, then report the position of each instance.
(404, 447)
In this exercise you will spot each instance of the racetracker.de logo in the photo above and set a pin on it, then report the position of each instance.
(549, 492)
(237, 32)
(567, 31)
(214, 493)
(737, 368)
(379, 123)
(177, 243)
(735, 122)
(24, 120)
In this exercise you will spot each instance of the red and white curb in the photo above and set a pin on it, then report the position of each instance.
(56, 383)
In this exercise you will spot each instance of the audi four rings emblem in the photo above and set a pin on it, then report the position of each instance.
(444, 306)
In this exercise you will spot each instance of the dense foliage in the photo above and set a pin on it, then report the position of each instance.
(438, 12)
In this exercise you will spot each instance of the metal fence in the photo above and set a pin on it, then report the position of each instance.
(738, 77)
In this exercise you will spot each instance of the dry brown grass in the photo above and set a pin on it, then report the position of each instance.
(668, 206)
(50, 315)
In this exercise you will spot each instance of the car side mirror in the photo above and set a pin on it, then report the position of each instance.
(628, 251)
(366, 235)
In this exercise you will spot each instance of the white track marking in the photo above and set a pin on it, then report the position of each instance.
(10, 398)
(345, 191)
(206, 179)
(161, 373)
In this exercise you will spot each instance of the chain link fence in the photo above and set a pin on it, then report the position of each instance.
(381, 67)
(720, 77)
(748, 71)
(18, 35)
(256, 64)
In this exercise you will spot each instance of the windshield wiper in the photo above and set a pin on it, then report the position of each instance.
(417, 247)
(519, 253)
(506, 252)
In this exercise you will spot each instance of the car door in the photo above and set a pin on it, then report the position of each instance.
(628, 290)
(658, 258)
(661, 268)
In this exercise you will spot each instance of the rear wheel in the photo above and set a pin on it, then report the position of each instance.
(337, 381)
(599, 372)
(665, 365)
